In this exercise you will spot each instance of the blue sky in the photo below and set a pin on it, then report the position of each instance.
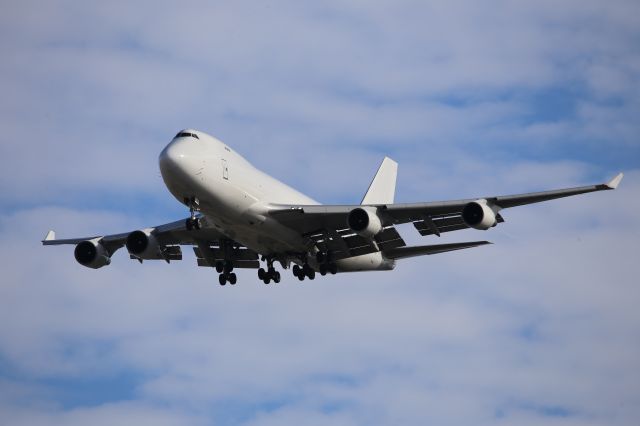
(470, 98)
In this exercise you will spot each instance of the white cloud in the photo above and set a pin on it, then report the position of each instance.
(539, 328)
(108, 414)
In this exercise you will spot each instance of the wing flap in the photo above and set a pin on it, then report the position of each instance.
(444, 224)
(168, 253)
(343, 243)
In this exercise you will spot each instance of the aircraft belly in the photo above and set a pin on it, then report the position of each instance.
(262, 240)
(260, 234)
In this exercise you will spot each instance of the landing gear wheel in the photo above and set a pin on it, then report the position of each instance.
(219, 267)
(298, 272)
(309, 272)
(222, 279)
(232, 278)
(333, 268)
(269, 274)
(228, 266)
(323, 269)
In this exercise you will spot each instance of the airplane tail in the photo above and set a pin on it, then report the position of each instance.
(383, 186)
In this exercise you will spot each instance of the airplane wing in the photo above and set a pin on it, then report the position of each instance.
(173, 233)
(164, 241)
(329, 223)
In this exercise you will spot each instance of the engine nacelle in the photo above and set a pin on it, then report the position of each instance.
(365, 221)
(92, 254)
(143, 245)
(479, 215)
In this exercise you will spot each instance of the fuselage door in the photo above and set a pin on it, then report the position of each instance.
(225, 170)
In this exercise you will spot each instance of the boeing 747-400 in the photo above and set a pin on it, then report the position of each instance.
(240, 217)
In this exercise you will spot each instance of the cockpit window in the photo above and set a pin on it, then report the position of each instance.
(186, 135)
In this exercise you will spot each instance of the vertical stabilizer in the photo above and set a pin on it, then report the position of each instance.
(383, 186)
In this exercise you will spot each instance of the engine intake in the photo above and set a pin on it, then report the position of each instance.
(92, 254)
(364, 221)
(479, 215)
(142, 244)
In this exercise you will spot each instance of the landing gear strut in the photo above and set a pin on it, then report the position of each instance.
(270, 274)
(224, 267)
(193, 222)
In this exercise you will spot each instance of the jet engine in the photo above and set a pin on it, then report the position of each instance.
(479, 215)
(364, 221)
(142, 244)
(92, 254)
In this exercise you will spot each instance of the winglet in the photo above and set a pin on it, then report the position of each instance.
(51, 235)
(613, 183)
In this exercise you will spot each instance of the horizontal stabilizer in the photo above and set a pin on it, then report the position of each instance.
(404, 252)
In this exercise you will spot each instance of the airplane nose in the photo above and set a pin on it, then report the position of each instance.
(175, 161)
(170, 157)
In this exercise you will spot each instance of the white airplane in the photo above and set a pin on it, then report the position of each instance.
(240, 215)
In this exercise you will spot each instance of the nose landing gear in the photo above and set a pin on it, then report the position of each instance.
(193, 222)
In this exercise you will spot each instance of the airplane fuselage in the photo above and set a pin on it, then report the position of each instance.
(234, 197)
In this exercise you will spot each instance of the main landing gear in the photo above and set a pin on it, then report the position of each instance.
(328, 268)
(326, 265)
(193, 222)
(270, 274)
(303, 272)
(225, 270)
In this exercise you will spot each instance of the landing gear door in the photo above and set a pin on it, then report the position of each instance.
(225, 170)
